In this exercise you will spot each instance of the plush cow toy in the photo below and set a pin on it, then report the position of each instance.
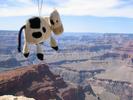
(39, 29)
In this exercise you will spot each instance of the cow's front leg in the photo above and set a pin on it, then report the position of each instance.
(53, 43)
(26, 50)
(39, 52)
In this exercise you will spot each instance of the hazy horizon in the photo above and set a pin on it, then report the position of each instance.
(79, 32)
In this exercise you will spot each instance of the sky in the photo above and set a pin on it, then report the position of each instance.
(103, 16)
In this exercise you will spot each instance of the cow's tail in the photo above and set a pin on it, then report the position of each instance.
(19, 38)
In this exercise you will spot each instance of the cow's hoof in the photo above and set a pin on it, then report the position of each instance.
(55, 48)
(40, 56)
(26, 55)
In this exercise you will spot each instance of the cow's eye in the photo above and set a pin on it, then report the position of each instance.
(57, 21)
(52, 22)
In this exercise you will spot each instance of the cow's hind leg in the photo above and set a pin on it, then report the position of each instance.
(26, 50)
(39, 52)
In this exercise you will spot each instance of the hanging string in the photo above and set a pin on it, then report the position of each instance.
(40, 4)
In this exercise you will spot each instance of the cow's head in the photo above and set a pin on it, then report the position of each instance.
(56, 23)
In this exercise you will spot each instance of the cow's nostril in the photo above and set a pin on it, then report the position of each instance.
(37, 34)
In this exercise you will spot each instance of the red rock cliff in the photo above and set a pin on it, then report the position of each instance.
(37, 81)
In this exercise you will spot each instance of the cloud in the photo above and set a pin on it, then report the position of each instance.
(103, 8)
(97, 8)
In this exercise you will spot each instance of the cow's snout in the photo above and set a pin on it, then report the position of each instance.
(37, 34)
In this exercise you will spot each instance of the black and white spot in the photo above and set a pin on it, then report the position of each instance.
(35, 22)
(37, 34)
